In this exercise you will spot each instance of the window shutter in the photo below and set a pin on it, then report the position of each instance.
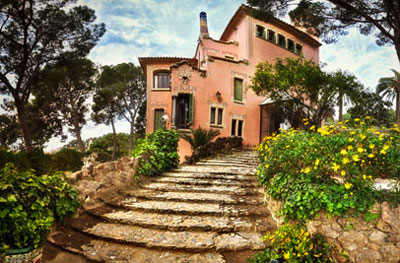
(157, 119)
(238, 90)
(191, 109)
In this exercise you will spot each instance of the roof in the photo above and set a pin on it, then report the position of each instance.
(247, 10)
(144, 61)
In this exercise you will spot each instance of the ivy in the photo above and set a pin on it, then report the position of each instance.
(158, 152)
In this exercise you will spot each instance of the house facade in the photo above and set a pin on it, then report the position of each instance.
(212, 89)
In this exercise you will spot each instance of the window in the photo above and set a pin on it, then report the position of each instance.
(238, 90)
(158, 113)
(237, 127)
(162, 80)
(299, 49)
(219, 119)
(216, 116)
(281, 40)
(290, 45)
(184, 111)
(271, 36)
(260, 31)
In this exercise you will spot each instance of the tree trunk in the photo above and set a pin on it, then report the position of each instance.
(114, 140)
(24, 126)
(397, 46)
(340, 107)
(131, 138)
(398, 108)
(77, 130)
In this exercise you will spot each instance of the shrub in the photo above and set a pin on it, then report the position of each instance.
(158, 151)
(292, 243)
(29, 204)
(200, 137)
(331, 169)
(67, 160)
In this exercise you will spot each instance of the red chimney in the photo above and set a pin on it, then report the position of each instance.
(203, 25)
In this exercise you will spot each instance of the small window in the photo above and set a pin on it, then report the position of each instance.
(260, 31)
(238, 90)
(271, 36)
(219, 120)
(233, 128)
(281, 40)
(158, 113)
(162, 80)
(212, 117)
(290, 44)
(299, 49)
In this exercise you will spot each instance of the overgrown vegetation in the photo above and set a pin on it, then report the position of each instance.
(330, 169)
(292, 243)
(29, 204)
(42, 163)
(158, 151)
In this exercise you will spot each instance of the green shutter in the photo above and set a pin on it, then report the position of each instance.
(191, 109)
(238, 90)
(157, 119)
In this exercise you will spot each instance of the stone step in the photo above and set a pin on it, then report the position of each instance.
(175, 222)
(237, 177)
(234, 190)
(105, 251)
(216, 169)
(230, 161)
(194, 241)
(187, 208)
(224, 164)
(190, 197)
(203, 181)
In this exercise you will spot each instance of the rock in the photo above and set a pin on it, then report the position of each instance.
(365, 255)
(378, 237)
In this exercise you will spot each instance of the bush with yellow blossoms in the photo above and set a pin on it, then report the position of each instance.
(329, 169)
(292, 243)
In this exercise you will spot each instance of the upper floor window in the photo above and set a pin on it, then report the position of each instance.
(238, 90)
(162, 80)
(216, 116)
(290, 45)
(271, 36)
(299, 49)
(281, 40)
(260, 31)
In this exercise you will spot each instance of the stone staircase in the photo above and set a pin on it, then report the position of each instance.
(208, 212)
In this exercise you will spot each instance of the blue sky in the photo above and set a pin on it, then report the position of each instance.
(138, 28)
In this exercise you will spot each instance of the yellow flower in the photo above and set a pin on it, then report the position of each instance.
(335, 167)
(267, 166)
(364, 177)
(367, 117)
(350, 147)
(385, 147)
(355, 158)
(307, 170)
(343, 173)
(372, 146)
(343, 152)
(316, 162)
(383, 151)
(345, 160)
(360, 150)
(363, 137)
(351, 139)
(356, 119)
(286, 255)
(312, 128)
(348, 185)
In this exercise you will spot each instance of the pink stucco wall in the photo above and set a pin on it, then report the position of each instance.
(220, 62)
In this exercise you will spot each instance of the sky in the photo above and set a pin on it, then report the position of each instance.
(140, 28)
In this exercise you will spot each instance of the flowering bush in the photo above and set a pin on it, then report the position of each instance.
(292, 243)
(329, 169)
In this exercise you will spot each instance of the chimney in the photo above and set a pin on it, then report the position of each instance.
(203, 25)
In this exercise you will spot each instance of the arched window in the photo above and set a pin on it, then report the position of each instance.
(162, 80)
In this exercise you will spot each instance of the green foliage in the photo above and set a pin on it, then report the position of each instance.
(67, 160)
(390, 88)
(158, 151)
(331, 170)
(29, 204)
(292, 243)
(102, 146)
(200, 137)
(9, 131)
(42, 163)
(302, 88)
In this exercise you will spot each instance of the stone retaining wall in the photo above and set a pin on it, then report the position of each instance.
(376, 241)
(97, 180)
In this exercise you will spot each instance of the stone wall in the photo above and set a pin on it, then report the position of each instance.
(99, 180)
(363, 242)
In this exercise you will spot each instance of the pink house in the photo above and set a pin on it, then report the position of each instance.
(212, 89)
